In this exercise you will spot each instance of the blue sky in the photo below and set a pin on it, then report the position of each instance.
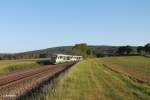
(37, 24)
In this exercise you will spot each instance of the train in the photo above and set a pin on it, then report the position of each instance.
(59, 58)
(62, 58)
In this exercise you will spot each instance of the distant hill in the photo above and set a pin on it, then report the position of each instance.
(68, 50)
(107, 50)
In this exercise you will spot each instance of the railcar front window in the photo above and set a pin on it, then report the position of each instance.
(68, 58)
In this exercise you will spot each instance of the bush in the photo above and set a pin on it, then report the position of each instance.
(148, 56)
(100, 55)
(44, 62)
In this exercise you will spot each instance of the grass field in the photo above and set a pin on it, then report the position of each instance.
(14, 65)
(90, 80)
(136, 66)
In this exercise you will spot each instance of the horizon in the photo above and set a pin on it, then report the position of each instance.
(33, 25)
(66, 46)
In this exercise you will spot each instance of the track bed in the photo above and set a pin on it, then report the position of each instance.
(16, 84)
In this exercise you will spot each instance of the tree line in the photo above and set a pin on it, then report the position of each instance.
(144, 49)
(84, 50)
(127, 50)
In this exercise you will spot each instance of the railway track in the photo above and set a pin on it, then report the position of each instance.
(16, 84)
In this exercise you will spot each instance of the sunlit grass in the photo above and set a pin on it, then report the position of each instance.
(90, 80)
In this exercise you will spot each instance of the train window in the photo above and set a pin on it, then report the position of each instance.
(68, 58)
(53, 57)
(63, 58)
(60, 57)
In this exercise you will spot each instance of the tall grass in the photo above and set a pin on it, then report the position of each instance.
(90, 80)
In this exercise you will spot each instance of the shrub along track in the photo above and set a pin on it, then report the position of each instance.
(17, 84)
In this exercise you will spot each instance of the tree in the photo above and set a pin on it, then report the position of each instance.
(140, 49)
(124, 50)
(128, 49)
(83, 50)
(100, 55)
(89, 52)
(147, 48)
(42, 56)
(80, 49)
(121, 50)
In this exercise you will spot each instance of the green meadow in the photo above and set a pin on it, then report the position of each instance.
(15, 65)
(90, 80)
(138, 63)
(136, 66)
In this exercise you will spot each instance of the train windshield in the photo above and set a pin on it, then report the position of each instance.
(54, 57)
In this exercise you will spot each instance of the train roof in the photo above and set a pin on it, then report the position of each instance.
(66, 55)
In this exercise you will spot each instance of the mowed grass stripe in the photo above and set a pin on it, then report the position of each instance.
(90, 80)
